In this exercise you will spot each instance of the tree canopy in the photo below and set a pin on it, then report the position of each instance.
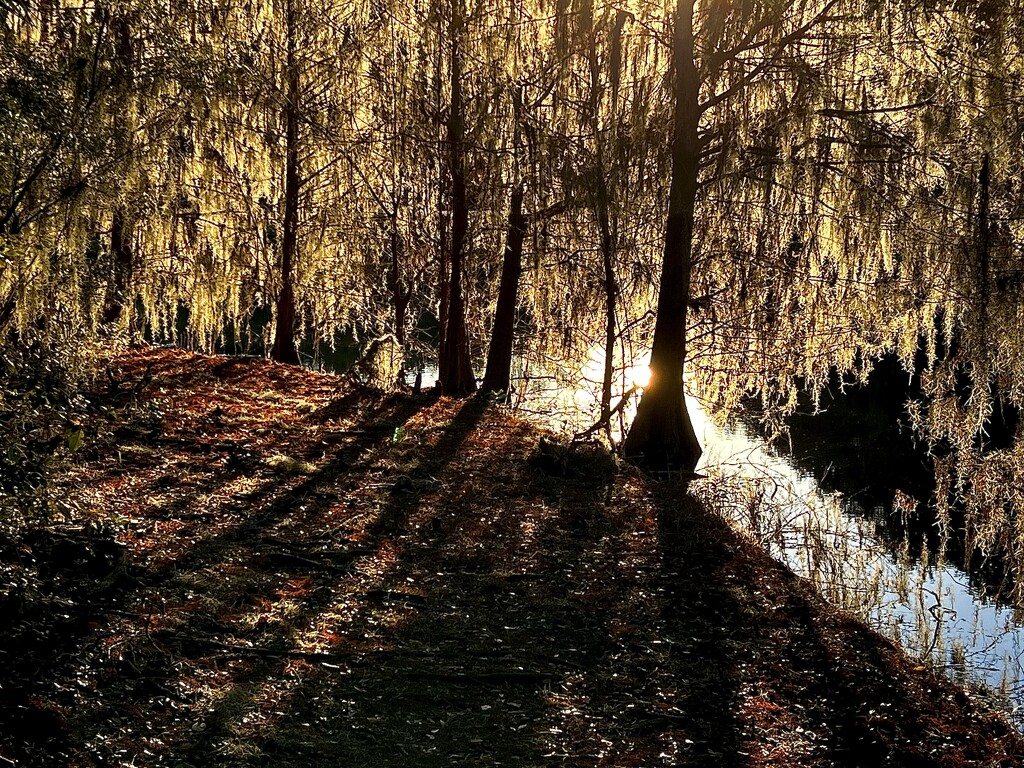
(765, 192)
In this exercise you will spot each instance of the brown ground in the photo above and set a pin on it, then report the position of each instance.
(310, 575)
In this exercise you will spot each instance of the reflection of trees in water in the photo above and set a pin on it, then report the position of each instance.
(859, 444)
(915, 599)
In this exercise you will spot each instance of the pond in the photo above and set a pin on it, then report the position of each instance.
(828, 503)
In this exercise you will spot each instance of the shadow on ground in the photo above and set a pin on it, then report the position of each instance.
(410, 588)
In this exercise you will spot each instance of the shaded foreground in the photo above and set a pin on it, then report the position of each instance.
(309, 575)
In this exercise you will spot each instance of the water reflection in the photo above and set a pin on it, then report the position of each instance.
(858, 443)
(917, 598)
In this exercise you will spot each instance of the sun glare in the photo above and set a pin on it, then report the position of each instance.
(639, 376)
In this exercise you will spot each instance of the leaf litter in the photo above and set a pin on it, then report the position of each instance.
(271, 567)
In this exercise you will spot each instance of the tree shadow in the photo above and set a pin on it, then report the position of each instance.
(468, 668)
(427, 597)
(507, 629)
(62, 637)
(347, 608)
(704, 620)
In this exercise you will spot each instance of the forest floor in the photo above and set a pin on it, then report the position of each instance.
(272, 567)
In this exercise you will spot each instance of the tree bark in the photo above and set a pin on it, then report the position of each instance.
(662, 437)
(120, 227)
(602, 209)
(498, 377)
(443, 251)
(284, 349)
(611, 290)
(7, 311)
(400, 292)
(984, 241)
(455, 368)
(123, 268)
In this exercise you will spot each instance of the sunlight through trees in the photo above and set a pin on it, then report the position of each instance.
(760, 193)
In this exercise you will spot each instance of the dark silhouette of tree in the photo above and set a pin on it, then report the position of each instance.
(498, 374)
(121, 229)
(661, 436)
(284, 349)
(455, 365)
(122, 268)
(738, 49)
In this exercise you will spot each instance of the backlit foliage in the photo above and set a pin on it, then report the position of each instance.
(860, 187)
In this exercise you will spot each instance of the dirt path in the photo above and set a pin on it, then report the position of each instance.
(314, 576)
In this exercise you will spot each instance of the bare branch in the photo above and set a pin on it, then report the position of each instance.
(757, 71)
(852, 113)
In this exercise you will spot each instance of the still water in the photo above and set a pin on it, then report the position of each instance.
(940, 613)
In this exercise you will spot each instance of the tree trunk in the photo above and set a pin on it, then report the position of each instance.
(7, 311)
(498, 377)
(120, 230)
(443, 270)
(662, 436)
(611, 290)
(455, 368)
(984, 241)
(284, 350)
(602, 206)
(400, 292)
(123, 267)
(443, 278)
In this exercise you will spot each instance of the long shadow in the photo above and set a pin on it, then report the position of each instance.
(560, 646)
(466, 676)
(703, 617)
(408, 496)
(320, 606)
(260, 510)
(64, 639)
(523, 634)
(451, 692)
